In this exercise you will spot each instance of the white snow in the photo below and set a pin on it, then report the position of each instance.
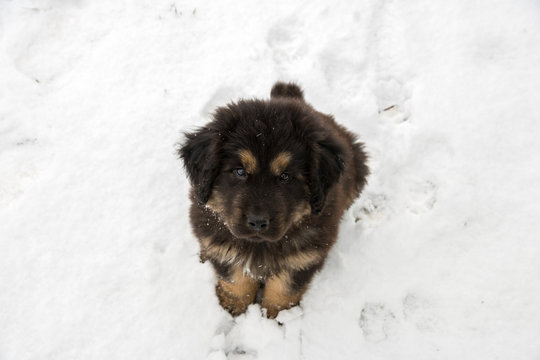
(439, 258)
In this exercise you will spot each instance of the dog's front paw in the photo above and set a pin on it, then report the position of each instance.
(278, 295)
(233, 303)
(272, 310)
(237, 293)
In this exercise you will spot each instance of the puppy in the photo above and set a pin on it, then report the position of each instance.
(270, 182)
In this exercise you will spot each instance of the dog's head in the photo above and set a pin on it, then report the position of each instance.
(263, 166)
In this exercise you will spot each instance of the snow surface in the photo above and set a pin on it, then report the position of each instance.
(439, 259)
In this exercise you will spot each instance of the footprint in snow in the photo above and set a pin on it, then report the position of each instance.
(422, 196)
(371, 206)
(420, 312)
(21, 172)
(286, 41)
(377, 322)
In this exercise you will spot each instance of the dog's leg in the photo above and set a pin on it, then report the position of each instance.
(236, 291)
(279, 294)
(286, 289)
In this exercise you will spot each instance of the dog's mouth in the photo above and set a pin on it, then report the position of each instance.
(259, 238)
(256, 237)
(270, 234)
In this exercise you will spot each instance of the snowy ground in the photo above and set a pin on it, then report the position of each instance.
(439, 259)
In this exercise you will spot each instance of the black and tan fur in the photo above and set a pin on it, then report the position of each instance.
(270, 182)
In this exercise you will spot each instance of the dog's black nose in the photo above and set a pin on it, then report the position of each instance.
(257, 223)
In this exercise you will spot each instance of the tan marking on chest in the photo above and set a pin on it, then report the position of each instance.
(303, 259)
(225, 253)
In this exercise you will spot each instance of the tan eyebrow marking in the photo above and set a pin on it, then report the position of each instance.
(280, 162)
(248, 160)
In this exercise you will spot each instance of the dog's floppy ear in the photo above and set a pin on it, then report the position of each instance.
(199, 153)
(327, 166)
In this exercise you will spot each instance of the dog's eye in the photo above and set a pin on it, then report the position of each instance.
(240, 173)
(284, 177)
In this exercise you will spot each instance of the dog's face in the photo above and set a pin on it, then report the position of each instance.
(262, 166)
(260, 191)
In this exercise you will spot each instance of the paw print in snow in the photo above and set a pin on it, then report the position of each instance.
(371, 206)
(377, 322)
(422, 196)
(420, 312)
(286, 41)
